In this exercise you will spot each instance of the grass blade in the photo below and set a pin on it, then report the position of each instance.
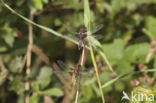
(40, 26)
(87, 24)
(125, 75)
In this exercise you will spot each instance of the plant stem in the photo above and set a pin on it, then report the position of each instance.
(97, 74)
(30, 46)
(81, 62)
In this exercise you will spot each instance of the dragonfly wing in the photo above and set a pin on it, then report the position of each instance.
(63, 74)
(73, 37)
(57, 72)
(97, 36)
(87, 71)
(97, 28)
(64, 66)
(71, 30)
(93, 41)
(61, 64)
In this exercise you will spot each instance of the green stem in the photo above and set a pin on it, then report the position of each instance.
(97, 74)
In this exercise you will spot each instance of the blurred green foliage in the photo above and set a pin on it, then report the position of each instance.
(129, 44)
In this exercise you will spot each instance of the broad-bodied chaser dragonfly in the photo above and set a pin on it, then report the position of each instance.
(75, 72)
(82, 36)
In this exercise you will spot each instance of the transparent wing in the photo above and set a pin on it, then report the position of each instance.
(97, 36)
(93, 40)
(61, 64)
(87, 71)
(73, 37)
(71, 30)
(63, 70)
(97, 28)
(64, 67)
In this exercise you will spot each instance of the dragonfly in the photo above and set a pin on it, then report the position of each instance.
(82, 36)
(75, 72)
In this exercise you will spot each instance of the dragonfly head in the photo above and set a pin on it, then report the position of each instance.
(83, 29)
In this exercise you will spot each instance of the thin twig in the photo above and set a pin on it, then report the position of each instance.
(23, 63)
(81, 62)
(39, 52)
(83, 57)
(29, 51)
(78, 89)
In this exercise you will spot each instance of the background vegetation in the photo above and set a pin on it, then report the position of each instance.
(129, 44)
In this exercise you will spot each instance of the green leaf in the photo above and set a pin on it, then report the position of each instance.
(100, 6)
(45, 1)
(20, 2)
(15, 64)
(119, 86)
(44, 82)
(38, 4)
(35, 85)
(44, 77)
(45, 72)
(136, 52)
(3, 48)
(150, 27)
(117, 5)
(35, 98)
(3, 75)
(58, 22)
(78, 16)
(53, 92)
(86, 14)
(95, 89)
(87, 90)
(114, 50)
(17, 85)
(21, 98)
(71, 4)
(124, 66)
(108, 89)
(8, 35)
(134, 4)
(104, 77)
(126, 75)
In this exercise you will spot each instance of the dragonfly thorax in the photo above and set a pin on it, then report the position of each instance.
(82, 33)
(82, 29)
